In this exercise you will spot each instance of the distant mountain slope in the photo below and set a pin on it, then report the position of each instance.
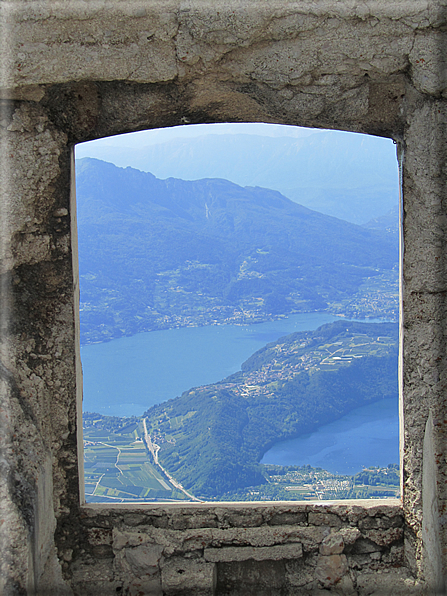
(350, 176)
(160, 253)
(388, 222)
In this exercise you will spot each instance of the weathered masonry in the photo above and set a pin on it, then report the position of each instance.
(79, 70)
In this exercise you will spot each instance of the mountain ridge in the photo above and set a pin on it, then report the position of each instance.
(350, 176)
(151, 250)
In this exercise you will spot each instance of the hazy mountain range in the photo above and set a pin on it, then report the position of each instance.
(153, 251)
(350, 176)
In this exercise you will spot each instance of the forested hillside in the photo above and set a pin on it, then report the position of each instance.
(156, 254)
(212, 438)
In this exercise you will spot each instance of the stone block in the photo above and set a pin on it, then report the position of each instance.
(251, 578)
(139, 519)
(145, 558)
(350, 535)
(330, 569)
(134, 519)
(350, 513)
(324, 519)
(288, 518)
(309, 537)
(374, 523)
(242, 519)
(201, 520)
(384, 537)
(244, 553)
(188, 576)
(332, 545)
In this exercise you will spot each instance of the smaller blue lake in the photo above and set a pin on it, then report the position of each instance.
(366, 436)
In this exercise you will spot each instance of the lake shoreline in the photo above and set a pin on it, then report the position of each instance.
(366, 319)
(141, 366)
(315, 447)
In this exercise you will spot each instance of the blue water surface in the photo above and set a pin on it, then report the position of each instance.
(126, 376)
(366, 436)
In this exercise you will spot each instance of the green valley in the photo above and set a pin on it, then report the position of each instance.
(208, 442)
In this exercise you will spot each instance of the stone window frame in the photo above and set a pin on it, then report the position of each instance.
(196, 65)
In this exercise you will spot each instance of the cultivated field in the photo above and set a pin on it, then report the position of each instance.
(118, 469)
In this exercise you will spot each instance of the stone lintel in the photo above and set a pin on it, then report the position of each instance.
(244, 553)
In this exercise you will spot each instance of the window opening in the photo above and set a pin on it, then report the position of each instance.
(204, 248)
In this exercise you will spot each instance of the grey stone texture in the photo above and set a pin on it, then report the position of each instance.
(75, 71)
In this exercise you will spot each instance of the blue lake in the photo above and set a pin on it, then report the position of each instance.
(366, 436)
(126, 376)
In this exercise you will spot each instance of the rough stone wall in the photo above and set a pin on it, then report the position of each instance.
(81, 70)
(424, 350)
(244, 550)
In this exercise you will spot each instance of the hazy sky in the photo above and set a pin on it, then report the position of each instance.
(137, 140)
